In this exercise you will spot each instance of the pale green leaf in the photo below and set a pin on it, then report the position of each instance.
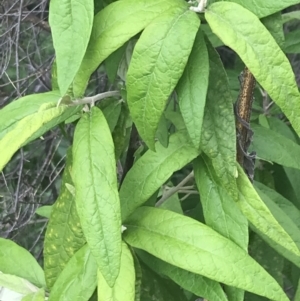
(221, 213)
(197, 284)
(260, 216)
(243, 32)
(19, 109)
(287, 206)
(287, 215)
(192, 89)
(71, 24)
(157, 63)
(219, 209)
(124, 288)
(17, 261)
(153, 169)
(218, 137)
(271, 146)
(97, 200)
(78, 280)
(168, 235)
(32, 127)
(64, 235)
(37, 296)
(44, 211)
(16, 284)
(113, 26)
(267, 7)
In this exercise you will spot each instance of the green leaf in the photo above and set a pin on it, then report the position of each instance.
(260, 216)
(271, 146)
(220, 210)
(157, 63)
(242, 31)
(192, 89)
(124, 288)
(37, 296)
(283, 203)
(112, 63)
(292, 44)
(172, 203)
(11, 114)
(97, 200)
(267, 257)
(64, 235)
(78, 280)
(268, 7)
(32, 127)
(71, 25)
(168, 235)
(113, 26)
(197, 284)
(112, 113)
(218, 138)
(157, 288)
(17, 261)
(221, 213)
(290, 16)
(286, 214)
(274, 24)
(44, 211)
(16, 284)
(152, 170)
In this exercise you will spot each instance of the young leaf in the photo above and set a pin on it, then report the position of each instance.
(113, 26)
(192, 88)
(11, 114)
(17, 261)
(71, 25)
(242, 31)
(269, 7)
(197, 284)
(157, 63)
(218, 138)
(220, 210)
(16, 284)
(124, 288)
(260, 216)
(78, 279)
(168, 235)
(64, 235)
(97, 199)
(37, 296)
(271, 146)
(32, 127)
(153, 169)
(44, 211)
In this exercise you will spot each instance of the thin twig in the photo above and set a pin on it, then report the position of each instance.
(175, 189)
